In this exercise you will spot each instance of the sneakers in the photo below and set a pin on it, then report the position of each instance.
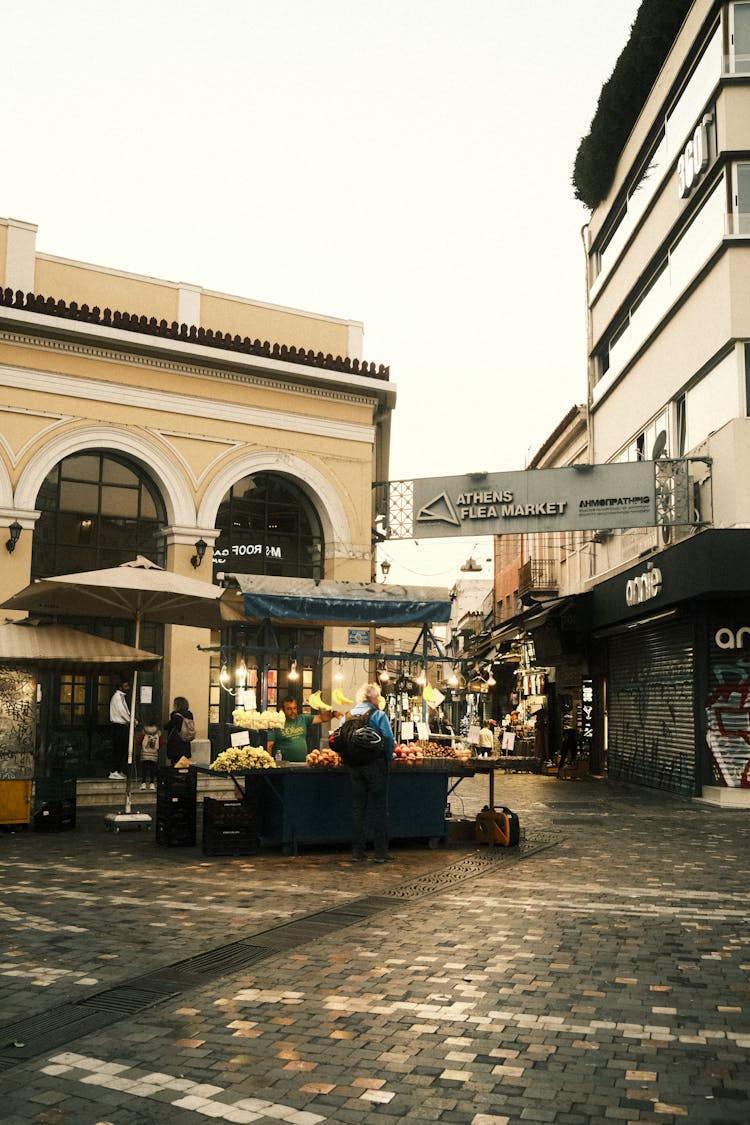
(116, 776)
(359, 857)
(151, 786)
(383, 859)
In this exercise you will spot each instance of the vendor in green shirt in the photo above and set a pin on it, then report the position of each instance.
(291, 739)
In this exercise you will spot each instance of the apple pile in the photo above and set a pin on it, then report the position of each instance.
(409, 753)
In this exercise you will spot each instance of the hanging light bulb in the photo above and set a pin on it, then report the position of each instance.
(241, 675)
(384, 675)
(453, 680)
(491, 681)
(339, 673)
(293, 673)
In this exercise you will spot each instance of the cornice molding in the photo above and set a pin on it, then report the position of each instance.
(192, 406)
(49, 333)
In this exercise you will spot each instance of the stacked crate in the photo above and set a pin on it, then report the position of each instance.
(230, 827)
(176, 807)
(54, 803)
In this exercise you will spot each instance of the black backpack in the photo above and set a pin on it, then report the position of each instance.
(356, 742)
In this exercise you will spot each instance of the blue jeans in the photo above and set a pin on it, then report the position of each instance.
(370, 788)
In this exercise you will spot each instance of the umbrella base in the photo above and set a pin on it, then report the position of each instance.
(127, 822)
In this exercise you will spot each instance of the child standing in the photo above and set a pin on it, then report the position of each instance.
(150, 740)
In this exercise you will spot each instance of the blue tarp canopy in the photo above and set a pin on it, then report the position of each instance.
(303, 601)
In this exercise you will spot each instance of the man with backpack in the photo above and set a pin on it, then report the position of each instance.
(370, 782)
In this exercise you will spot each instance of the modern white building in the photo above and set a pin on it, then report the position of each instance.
(669, 366)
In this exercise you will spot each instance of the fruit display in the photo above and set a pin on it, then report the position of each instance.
(238, 759)
(410, 753)
(258, 720)
(415, 753)
(327, 758)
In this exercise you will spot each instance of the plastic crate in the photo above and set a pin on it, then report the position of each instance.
(55, 788)
(175, 832)
(229, 827)
(55, 815)
(174, 782)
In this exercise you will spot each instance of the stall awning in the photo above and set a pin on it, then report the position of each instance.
(570, 611)
(302, 601)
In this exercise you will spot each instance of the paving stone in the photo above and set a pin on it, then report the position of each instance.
(607, 983)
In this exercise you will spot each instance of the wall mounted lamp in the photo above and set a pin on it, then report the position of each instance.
(385, 566)
(200, 550)
(14, 531)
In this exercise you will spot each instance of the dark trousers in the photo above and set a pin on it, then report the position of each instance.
(149, 770)
(120, 737)
(370, 791)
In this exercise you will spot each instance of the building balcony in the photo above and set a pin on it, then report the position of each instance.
(539, 577)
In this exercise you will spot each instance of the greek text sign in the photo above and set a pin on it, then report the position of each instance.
(591, 497)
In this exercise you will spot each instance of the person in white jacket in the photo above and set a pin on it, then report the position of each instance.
(119, 719)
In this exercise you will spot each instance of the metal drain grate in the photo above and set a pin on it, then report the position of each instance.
(124, 1001)
(36, 1034)
(32, 1036)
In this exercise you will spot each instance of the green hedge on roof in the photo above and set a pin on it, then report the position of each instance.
(624, 95)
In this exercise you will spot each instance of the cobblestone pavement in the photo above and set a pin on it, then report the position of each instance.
(599, 973)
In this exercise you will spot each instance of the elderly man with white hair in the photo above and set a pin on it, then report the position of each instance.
(370, 783)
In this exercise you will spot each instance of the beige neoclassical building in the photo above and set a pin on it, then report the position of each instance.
(141, 416)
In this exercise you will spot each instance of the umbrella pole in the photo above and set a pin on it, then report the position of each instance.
(131, 730)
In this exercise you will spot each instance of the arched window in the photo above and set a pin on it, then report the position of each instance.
(98, 510)
(268, 525)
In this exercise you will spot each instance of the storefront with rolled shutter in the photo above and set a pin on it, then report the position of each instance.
(672, 662)
(650, 709)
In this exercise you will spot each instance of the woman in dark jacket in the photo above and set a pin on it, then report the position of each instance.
(177, 747)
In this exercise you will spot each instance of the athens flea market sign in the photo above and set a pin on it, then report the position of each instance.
(585, 498)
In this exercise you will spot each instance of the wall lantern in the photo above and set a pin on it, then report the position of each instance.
(14, 531)
(200, 550)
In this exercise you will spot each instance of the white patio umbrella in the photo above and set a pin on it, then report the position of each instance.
(137, 591)
(45, 644)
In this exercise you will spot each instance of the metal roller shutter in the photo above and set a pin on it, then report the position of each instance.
(650, 707)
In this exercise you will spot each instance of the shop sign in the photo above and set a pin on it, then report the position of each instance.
(587, 708)
(248, 550)
(358, 637)
(727, 638)
(582, 498)
(694, 159)
(645, 587)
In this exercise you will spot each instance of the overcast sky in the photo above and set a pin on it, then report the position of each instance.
(406, 163)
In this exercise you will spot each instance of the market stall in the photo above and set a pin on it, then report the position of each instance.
(304, 803)
(301, 805)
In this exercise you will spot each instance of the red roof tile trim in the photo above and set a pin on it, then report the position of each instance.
(129, 322)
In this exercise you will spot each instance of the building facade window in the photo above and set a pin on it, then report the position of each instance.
(672, 133)
(672, 275)
(739, 38)
(741, 199)
(97, 510)
(642, 447)
(710, 403)
(268, 525)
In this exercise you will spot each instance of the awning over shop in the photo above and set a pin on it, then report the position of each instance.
(303, 601)
(568, 615)
(44, 645)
